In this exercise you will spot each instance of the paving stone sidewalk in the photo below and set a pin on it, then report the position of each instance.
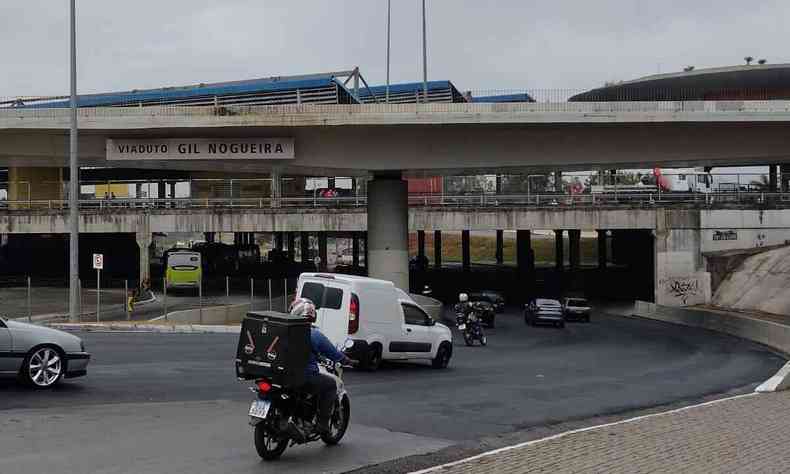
(747, 434)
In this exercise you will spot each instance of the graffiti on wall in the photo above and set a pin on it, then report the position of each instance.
(724, 235)
(682, 288)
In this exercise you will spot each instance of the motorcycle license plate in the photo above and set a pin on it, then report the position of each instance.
(260, 408)
(462, 326)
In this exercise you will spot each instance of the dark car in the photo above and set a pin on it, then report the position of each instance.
(576, 309)
(544, 311)
(496, 299)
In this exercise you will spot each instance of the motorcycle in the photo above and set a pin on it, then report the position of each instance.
(470, 326)
(283, 418)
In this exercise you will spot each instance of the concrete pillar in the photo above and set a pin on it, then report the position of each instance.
(304, 244)
(523, 248)
(420, 244)
(784, 178)
(278, 241)
(773, 178)
(437, 249)
(355, 249)
(602, 257)
(144, 242)
(574, 248)
(35, 184)
(291, 247)
(558, 182)
(388, 230)
(500, 247)
(466, 257)
(161, 192)
(322, 251)
(559, 253)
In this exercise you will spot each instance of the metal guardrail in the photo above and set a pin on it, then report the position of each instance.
(587, 200)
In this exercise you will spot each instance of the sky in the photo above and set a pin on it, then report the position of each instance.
(479, 45)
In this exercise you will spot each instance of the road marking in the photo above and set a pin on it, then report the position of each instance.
(580, 430)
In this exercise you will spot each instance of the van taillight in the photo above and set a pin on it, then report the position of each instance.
(353, 315)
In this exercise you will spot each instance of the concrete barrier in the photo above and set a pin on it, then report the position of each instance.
(768, 333)
(214, 315)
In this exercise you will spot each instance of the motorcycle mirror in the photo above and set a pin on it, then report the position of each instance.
(348, 344)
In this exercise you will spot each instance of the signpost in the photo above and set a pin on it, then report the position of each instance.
(98, 265)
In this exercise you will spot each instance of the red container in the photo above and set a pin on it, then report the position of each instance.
(432, 185)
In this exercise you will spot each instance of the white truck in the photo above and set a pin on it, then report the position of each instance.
(383, 321)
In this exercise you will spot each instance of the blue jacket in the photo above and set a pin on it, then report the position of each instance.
(321, 345)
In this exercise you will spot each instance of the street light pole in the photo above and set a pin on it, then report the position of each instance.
(424, 56)
(74, 213)
(389, 22)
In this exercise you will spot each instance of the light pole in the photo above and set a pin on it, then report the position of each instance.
(424, 56)
(389, 22)
(74, 178)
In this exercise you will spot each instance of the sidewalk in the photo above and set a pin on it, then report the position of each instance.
(750, 433)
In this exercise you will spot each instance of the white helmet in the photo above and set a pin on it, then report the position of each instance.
(463, 298)
(303, 307)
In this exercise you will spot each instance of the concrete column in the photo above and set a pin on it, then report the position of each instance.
(304, 244)
(322, 251)
(523, 248)
(500, 247)
(784, 178)
(291, 247)
(388, 230)
(144, 241)
(559, 253)
(558, 182)
(355, 249)
(161, 192)
(278, 241)
(466, 257)
(420, 244)
(574, 249)
(437, 248)
(602, 257)
(276, 188)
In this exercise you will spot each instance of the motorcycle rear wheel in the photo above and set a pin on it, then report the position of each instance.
(268, 446)
(338, 423)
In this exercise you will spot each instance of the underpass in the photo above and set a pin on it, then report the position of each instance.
(177, 392)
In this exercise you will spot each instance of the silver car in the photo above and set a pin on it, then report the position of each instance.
(40, 356)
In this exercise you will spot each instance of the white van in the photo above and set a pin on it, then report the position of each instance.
(383, 321)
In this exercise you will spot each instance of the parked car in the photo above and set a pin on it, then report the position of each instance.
(544, 311)
(383, 321)
(495, 298)
(576, 309)
(40, 356)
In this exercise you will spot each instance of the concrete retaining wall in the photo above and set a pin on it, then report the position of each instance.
(773, 335)
(215, 315)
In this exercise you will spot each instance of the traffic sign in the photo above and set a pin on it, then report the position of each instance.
(98, 261)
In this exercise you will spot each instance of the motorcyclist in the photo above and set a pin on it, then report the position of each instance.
(322, 386)
(464, 306)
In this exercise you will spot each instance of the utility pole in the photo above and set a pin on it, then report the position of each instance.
(74, 178)
(389, 23)
(424, 56)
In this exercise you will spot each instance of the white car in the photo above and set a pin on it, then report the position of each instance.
(383, 321)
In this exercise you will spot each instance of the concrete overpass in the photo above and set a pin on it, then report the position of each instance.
(388, 141)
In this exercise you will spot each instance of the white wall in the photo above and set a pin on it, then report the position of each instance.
(733, 229)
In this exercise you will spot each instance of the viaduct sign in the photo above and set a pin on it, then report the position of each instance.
(201, 149)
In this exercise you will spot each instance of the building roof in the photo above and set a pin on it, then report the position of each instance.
(409, 92)
(317, 88)
(505, 98)
(752, 82)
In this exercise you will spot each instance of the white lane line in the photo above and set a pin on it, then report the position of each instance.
(580, 430)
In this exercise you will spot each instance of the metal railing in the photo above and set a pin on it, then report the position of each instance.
(483, 200)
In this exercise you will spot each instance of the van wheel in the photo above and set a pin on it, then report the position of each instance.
(442, 359)
(374, 358)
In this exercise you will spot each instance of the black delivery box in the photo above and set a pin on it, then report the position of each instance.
(275, 346)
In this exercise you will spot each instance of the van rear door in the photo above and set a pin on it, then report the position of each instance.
(331, 298)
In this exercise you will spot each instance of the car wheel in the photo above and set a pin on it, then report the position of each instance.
(374, 358)
(442, 359)
(43, 368)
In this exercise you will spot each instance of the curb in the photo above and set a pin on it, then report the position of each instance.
(149, 328)
(777, 383)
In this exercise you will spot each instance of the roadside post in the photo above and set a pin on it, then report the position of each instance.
(270, 294)
(98, 265)
(252, 293)
(200, 299)
(128, 299)
(164, 293)
(29, 302)
(285, 295)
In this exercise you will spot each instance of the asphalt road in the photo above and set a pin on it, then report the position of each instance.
(171, 403)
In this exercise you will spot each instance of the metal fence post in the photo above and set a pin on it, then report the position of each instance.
(270, 294)
(252, 293)
(285, 295)
(200, 299)
(126, 299)
(164, 293)
(227, 287)
(29, 302)
(98, 295)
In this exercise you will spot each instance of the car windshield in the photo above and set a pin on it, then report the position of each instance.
(577, 302)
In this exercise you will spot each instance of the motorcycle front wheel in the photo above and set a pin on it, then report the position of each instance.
(468, 339)
(268, 445)
(339, 423)
(483, 341)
